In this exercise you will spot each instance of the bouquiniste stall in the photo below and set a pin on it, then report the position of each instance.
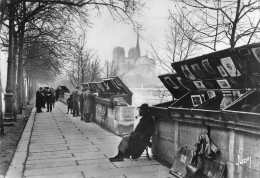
(217, 94)
(112, 105)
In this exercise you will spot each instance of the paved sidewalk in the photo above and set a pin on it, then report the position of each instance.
(61, 146)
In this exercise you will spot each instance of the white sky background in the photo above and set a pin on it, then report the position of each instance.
(107, 33)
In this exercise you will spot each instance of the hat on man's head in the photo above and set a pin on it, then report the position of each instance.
(144, 107)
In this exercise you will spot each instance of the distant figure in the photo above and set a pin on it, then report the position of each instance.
(81, 103)
(53, 97)
(39, 100)
(89, 96)
(49, 98)
(135, 143)
(44, 97)
(70, 104)
(75, 95)
(57, 93)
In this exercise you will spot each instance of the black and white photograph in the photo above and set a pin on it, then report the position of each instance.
(181, 82)
(211, 93)
(187, 73)
(196, 100)
(222, 71)
(169, 81)
(223, 84)
(122, 88)
(199, 84)
(207, 66)
(256, 52)
(230, 67)
(197, 70)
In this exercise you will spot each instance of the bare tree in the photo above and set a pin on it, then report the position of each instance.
(110, 68)
(223, 23)
(179, 42)
(78, 66)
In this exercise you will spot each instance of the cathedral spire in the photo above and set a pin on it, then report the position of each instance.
(138, 51)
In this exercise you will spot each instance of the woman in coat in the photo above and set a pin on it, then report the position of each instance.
(88, 96)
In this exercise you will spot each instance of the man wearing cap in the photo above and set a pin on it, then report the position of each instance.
(135, 143)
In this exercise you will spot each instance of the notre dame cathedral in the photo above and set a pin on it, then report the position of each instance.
(136, 70)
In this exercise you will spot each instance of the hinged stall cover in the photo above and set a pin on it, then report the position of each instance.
(226, 69)
(174, 83)
(115, 86)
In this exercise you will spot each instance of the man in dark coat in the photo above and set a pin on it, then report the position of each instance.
(49, 97)
(44, 97)
(39, 100)
(135, 143)
(70, 104)
(75, 96)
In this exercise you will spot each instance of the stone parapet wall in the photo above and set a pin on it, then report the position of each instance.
(118, 119)
(238, 142)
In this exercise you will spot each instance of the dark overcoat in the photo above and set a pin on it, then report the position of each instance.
(70, 102)
(48, 96)
(140, 138)
(39, 99)
(88, 102)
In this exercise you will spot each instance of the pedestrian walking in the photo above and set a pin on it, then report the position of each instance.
(70, 104)
(44, 97)
(89, 96)
(39, 100)
(53, 96)
(75, 96)
(49, 97)
(57, 92)
(135, 143)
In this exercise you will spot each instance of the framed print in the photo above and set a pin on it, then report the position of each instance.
(222, 71)
(187, 73)
(197, 70)
(211, 94)
(180, 81)
(100, 87)
(223, 84)
(116, 84)
(207, 66)
(236, 94)
(199, 84)
(169, 81)
(256, 52)
(230, 67)
(196, 100)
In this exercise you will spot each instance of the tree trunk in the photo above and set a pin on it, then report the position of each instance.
(1, 111)
(15, 46)
(20, 65)
(9, 81)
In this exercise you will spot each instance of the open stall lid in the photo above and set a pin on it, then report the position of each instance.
(64, 89)
(116, 86)
(222, 70)
(174, 84)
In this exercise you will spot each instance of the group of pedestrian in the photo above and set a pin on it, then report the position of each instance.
(81, 103)
(45, 96)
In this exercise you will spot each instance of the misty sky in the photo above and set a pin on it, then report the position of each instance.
(107, 34)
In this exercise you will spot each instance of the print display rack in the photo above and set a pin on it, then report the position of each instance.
(217, 94)
(109, 90)
(112, 105)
